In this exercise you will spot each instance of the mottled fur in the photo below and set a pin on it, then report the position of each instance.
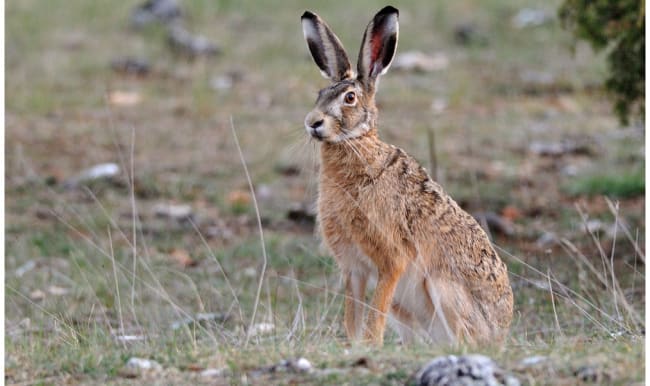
(386, 221)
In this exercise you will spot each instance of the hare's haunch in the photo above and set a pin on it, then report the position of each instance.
(384, 219)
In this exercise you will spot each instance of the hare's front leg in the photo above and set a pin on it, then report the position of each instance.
(355, 289)
(354, 272)
(387, 280)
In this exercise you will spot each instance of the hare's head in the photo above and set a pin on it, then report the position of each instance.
(346, 108)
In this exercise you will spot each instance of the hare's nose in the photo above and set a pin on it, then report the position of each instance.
(313, 120)
(317, 124)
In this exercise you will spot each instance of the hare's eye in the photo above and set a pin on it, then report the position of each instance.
(350, 97)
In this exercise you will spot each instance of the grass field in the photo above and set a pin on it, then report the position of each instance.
(96, 276)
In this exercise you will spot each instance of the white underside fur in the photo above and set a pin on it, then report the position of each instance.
(410, 295)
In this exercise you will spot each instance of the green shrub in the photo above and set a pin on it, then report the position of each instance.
(619, 27)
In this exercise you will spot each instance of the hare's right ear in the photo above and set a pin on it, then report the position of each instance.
(378, 45)
(325, 48)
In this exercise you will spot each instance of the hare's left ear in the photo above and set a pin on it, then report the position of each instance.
(325, 48)
(378, 45)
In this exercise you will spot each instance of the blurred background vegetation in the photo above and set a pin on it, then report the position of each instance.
(618, 27)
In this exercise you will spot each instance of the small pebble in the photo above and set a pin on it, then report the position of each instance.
(212, 373)
(143, 364)
(303, 365)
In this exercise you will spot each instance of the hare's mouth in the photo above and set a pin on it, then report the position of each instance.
(317, 135)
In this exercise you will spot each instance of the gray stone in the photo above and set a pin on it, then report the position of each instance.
(463, 370)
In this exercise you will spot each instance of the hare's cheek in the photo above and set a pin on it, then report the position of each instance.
(336, 111)
(331, 127)
(353, 119)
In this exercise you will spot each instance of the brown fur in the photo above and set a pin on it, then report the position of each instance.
(384, 218)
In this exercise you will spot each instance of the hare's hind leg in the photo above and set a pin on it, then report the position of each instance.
(439, 321)
(404, 323)
(355, 289)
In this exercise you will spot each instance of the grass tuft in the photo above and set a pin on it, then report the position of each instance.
(620, 185)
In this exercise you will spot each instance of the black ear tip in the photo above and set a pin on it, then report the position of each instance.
(308, 15)
(388, 10)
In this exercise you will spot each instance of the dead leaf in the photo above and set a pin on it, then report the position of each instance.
(239, 198)
(568, 104)
(194, 367)
(183, 258)
(511, 213)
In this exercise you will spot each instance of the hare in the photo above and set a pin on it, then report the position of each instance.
(384, 219)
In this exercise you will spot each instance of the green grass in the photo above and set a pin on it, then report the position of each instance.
(620, 185)
(114, 272)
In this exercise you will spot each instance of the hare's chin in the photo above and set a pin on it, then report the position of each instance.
(354, 133)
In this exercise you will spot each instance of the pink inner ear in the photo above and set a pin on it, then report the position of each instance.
(375, 47)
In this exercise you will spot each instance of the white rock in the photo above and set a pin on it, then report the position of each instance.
(530, 17)
(37, 295)
(221, 83)
(540, 284)
(264, 192)
(439, 105)
(150, 11)
(532, 361)
(615, 232)
(99, 171)
(174, 211)
(57, 291)
(418, 61)
(183, 41)
(212, 373)
(540, 78)
(594, 226)
(570, 170)
(249, 272)
(129, 338)
(261, 328)
(143, 364)
(23, 269)
(546, 240)
(303, 365)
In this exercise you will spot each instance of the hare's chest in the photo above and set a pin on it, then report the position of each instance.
(350, 206)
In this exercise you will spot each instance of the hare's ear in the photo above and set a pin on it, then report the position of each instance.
(378, 45)
(325, 48)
